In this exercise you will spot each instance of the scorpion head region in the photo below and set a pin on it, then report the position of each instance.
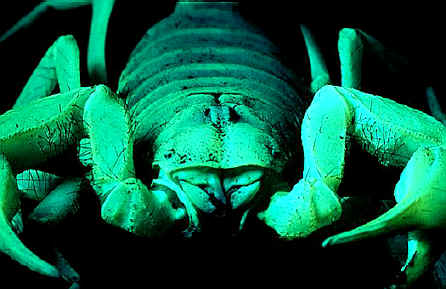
(225, 195)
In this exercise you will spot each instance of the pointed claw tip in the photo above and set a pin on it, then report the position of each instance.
(333, 241)
(327, 242)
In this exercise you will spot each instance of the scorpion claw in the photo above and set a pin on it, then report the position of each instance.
(133, 207)
(419, 203)
(419, 211)
(421, 247)
(422, 250)
(309, 206)
(11, 245)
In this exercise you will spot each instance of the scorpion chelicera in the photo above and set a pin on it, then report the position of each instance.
(219, 118)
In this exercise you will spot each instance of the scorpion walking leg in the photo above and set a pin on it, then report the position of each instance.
(50, 128)
(434, 105)
(33, 185)
(59, 65)
(9, 242)
(352, 44)
(26, 20)
(96, 47)
(59, 199)
(32, 135)
(319, 71)
(126, 201)
(60, 203)
(350, 47)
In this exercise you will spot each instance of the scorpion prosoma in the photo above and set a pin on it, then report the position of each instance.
(219, 115)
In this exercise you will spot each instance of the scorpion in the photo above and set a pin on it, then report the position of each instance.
(217, 118)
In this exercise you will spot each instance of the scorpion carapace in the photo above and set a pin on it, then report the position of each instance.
(206, 125)
(207, 74)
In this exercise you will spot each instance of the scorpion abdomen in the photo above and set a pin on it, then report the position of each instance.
(205, 61)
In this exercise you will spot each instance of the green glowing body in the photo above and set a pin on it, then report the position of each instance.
(220, 117)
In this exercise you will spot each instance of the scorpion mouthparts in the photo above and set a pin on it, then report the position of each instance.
(218, 196)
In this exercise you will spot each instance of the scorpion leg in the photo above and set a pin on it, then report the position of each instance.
(35, 184)
(352, 44)
(434, 105)
(9, 242)
(319, 71)
(350, 47)
(126, 201)
(38, 11)
(59, 199)
(59, 204)
(52, 125)
(96, 47)
(424, 249)
(59, 65)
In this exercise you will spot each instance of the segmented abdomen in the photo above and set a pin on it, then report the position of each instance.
(208, 73)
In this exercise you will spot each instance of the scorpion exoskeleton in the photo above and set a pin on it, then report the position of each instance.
(218, 115)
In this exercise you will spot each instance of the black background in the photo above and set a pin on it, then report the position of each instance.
(105, 256)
